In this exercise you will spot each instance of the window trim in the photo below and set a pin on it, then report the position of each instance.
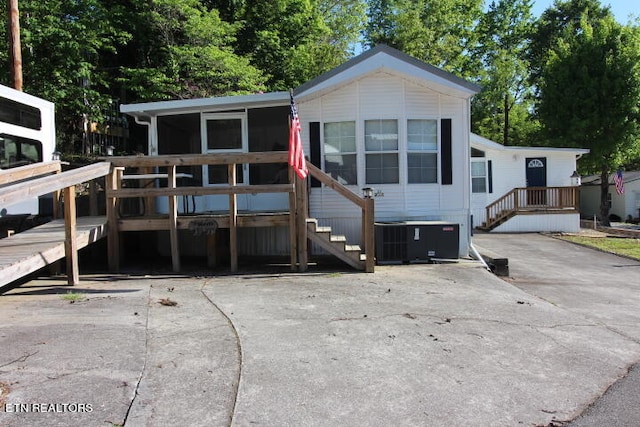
(435, 151)
(399, 145)
(340, 153)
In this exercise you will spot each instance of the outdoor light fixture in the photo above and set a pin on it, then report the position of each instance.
(367, 192)
(55, 156)
(575, 179)
(110, 149)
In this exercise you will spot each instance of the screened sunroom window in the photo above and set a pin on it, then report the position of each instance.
(381, 147)
(340, 152)
(422, 151)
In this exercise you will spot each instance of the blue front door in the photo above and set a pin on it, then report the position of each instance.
(536, 170)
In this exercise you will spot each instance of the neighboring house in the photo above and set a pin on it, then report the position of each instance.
(498, 170)
(622, 205)
(383, 120)
(27, 136)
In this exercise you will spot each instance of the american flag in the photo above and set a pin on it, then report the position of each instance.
(296, 155)
(619, 181)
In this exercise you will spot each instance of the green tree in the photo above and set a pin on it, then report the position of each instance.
(184, 51)
(502, 110)
(564, 15)
(286, 39)
(590, 95)
(440, 32)
(62, 42)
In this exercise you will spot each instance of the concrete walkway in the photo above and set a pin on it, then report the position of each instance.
(433, 345)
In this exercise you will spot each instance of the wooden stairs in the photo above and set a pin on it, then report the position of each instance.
(499, 219)
(336, 245)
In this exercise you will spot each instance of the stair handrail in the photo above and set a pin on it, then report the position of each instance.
(366, 204)
(525, 198)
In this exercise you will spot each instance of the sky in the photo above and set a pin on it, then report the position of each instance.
(620, 8)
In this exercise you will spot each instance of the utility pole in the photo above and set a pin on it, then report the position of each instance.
(15, 49)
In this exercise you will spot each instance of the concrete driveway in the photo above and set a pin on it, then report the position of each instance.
(432, 345)
(601, 287)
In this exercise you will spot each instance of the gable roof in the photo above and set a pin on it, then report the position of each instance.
(478, 141)
(381, 58)
(387, 59)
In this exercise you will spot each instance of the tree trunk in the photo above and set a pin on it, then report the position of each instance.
(15, 50)
(505, 131)
(604, 191)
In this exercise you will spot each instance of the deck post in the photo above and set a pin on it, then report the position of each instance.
(93, 198)
(293, 236)
(301, 223)
(233, 221)
(113, 237)
(56, 200)
(212, 260)
(369, 234)
(70, 242)
(173, 219)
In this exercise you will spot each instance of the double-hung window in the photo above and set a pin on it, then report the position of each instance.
(340, 152)
(381, 152)
(422, 151)
(478, 171)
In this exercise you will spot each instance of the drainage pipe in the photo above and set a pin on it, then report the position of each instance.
(479, 257)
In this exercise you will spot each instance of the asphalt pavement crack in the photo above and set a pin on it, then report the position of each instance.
(22, 358)
(239, 349)
(144, 363)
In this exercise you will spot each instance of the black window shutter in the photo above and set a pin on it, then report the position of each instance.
(314, 146)
(490, 175)
(446, 152)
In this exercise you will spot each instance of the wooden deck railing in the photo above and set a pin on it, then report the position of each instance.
(365, 204)
(532, 200)
(296, 188)
(36, 180)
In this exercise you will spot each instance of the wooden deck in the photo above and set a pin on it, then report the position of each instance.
(29, 251)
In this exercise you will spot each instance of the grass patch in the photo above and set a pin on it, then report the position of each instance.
(72, 297)
(615, 245)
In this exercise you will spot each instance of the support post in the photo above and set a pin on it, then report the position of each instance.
(301, 223)
(173, 220)
(70, 242)
(113, 237)
(15, 48)
(293, 236)
(233, 221)
(93, 198)
(369, 234)
(211, 250)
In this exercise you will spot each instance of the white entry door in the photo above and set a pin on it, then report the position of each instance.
(224, 133)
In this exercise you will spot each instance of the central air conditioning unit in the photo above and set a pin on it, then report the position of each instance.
(415, 241)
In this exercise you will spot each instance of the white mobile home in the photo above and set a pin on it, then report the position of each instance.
(541, 180)
(383, 120)
(623, 205)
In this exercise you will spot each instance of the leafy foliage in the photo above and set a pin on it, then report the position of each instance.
(187, 54)
(589, 93)
(501, 110)
(440, 32)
